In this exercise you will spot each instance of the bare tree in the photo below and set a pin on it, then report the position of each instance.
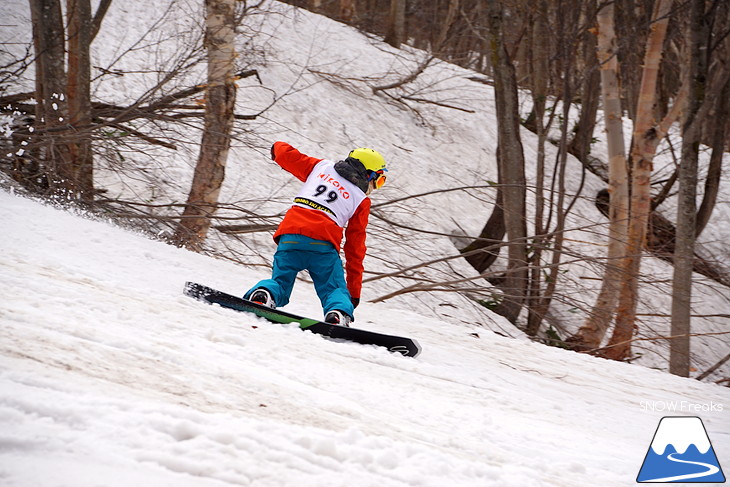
(219, 116)
(647, 135)
(693, 75)
(706, 75)
(540, 76)
(512, 167)
(589, 336)
(81, 167)
(46, 165)
(60, 159)
(542, 297)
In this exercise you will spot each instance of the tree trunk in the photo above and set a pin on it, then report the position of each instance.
(694, 77)
(716, 109)
(101, 11)
(512, 168)
(589, 336)
(714, 171)
(348, 10)
(631, 17)
(539, 55)
(646, 140)
(312, 5)
(50, 155)
(395, 34)
(439, 44)
(580, 146)
(80, 171)
(540, 299)
(219, 105)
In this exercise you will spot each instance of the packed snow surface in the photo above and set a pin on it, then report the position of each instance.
(109, 376)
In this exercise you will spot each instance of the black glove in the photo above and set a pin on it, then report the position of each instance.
(355, 301)
(273, 155)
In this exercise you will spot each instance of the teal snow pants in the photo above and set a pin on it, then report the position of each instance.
(296, 253)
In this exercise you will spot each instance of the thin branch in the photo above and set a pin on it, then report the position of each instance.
(408, 79)
(654, 339)
(445, 105)
(98, 17)
(144, 137)
(713, 368)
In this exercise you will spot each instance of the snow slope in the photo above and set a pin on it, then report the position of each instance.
(322, 74)
(109, 376)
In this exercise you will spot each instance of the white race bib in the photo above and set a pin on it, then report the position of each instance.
(327, 191)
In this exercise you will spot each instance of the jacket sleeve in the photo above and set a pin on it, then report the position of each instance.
(300, 165)
(355, 248)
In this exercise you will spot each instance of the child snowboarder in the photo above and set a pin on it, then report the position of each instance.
(334, 197)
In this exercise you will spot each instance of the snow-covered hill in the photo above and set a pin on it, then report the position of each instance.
(322, 75)
(110, 377)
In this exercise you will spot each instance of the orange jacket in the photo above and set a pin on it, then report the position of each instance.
(316, 224)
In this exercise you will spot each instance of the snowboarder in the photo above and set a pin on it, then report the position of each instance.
(334, 197)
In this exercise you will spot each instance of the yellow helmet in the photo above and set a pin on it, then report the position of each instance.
(373, 162)
(371, 159)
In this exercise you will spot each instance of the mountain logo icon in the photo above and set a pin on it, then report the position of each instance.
(681, 452)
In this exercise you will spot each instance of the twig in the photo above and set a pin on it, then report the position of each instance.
(437, 103)
(657, 338)
(144, 137)
(396, 84)
(713, 368)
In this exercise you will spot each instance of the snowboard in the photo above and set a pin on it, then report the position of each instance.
(402, 345)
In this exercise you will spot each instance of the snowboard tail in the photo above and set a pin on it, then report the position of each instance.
(402, 345)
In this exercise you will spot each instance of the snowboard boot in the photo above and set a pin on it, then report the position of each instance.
(263, 296)
(337, 317)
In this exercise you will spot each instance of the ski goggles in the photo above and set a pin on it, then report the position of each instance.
(378, 178)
